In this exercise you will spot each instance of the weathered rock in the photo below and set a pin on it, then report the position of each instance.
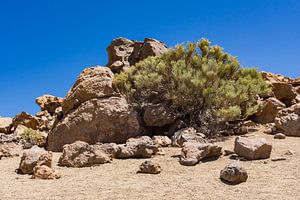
(274, 78)
(158, 115)
(296, 82)
(283, 91)
(279, 136)
(81, 154)
(25, 119)
(150, 167)
(9, 150)
(123, 53)
(192, 152)
(252, 149)
(97, 120)
(234, 173)
(297, 89)
(270, 109)
(46, 120)
(33, 157)
(5, 124)
(162, 141)
(45, 172)
(93, 82)
(142, 147)
(49, 103)
(228, 152)
(187, 134)
(288, 120)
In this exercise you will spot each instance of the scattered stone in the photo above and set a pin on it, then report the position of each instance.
(9, 150)
(288, 153)
(142, 147)
(49, 103)
(279, 136)
(192, 152)
(33, 157)
(5, 124)
(97, 120)
(185, 135)
(234, 173)
(45, 172)
(150, 167)
(162, 141)
(278, 159)
(81, 154)
(252, 149)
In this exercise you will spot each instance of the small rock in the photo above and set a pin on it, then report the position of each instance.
(150, 167)
(268, 131)
(228, 152)
(278, 159)
(252, 149)
(44, 172)
(279, 136)
(234, 173)
(162, 141)
(187, 134)
(288, 153)
(10, 150)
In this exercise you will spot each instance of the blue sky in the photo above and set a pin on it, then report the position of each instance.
(45, 44)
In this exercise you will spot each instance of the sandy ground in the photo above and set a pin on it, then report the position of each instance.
(119, 180)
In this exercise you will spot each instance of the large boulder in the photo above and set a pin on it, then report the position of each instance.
(81, 154)
(158, 115)
(193, 152)
(234, 173)
(252, 149)
(123, 53)
(296, 82)
(93, 82)
(96, 120)
(142, 147)
(284, 91)
(49, 103)
(270, 108)
(34, 157)
(288, 120)
(5, 124)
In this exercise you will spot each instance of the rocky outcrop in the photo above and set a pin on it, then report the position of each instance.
(234, 173)
(142, 147)
(45, 172)
(34, 157)
(93, 82)
(288, 120)
(49, 103)
(5, 124)
(81, 154)
(25, 119)
(123, 53)
(269, 111)
(193, 152)
(158, 115)
(96, 120)
(150, 167)
(187, 134)
(252, 149)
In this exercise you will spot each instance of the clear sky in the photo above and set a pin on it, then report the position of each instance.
(45, 44)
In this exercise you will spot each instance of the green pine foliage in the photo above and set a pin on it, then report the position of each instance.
(193, 79)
